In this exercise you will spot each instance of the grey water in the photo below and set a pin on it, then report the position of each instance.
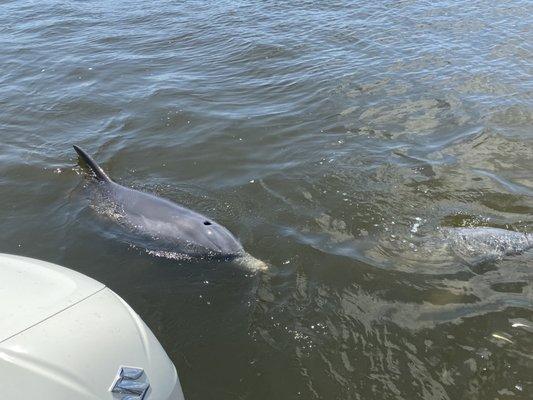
(333, 138)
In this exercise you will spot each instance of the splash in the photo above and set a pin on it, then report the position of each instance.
(171, 255)
(246, 261)
(251, 263)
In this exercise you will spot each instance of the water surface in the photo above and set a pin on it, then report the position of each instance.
(333, 138)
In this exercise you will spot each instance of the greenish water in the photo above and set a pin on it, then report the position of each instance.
(333, 139)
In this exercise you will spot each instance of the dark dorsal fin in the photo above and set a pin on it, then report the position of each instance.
(98, 171)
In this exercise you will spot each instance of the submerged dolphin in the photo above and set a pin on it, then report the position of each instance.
(167, 224)
(483, 243)
(445, 248)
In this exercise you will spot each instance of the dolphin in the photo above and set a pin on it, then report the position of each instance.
(478, 244)
(168, 225)
(444, 248)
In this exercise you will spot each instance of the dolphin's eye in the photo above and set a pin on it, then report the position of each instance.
(207, 223)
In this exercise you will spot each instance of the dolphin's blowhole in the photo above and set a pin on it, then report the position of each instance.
(207, 223)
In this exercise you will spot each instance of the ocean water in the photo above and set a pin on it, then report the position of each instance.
(333, 138)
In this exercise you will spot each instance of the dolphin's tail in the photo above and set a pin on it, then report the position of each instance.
(97, 170)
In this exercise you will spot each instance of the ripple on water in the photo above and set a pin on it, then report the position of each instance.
(334, 140)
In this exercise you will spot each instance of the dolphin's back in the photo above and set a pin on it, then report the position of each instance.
(148, 206)
(171, 224)
(486, 243)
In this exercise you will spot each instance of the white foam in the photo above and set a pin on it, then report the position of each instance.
(251, 263)
(171, 255)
